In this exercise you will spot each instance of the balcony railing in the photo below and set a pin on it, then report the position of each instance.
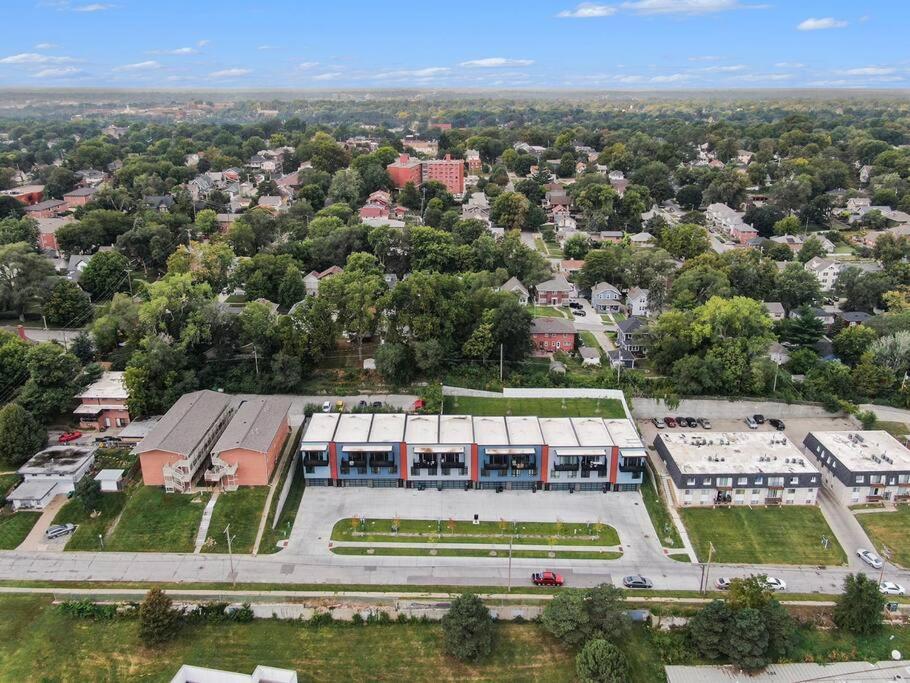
(446, 466)
(566, 467)
(774, 501)
(315, 460)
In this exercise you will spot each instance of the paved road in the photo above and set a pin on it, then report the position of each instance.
(38, 334)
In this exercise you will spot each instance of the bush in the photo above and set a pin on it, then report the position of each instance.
(320, 619)
(86, 609)
(601, 662)
(576, 616)
(859, 607)
(159, 622)
(468, 628)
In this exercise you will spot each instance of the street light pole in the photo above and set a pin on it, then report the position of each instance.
(227, 533)
(509, 590)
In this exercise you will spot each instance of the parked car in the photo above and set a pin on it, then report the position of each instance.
(775, 584)
(575, 304)
(722, 583)
(692, 422)
(58, 530)
(418, 404)
(547, 579)
(759, 418)
(637, 582)
(704, 422)
(657, 422)
(326, 407)
(681, 421)
(339, 406)
(579, 313)
(361, 404)
(870, 558)
(66, 437)
(377, 404)
(777, 424)
(751, 423)
(890, 588)
(669, 421)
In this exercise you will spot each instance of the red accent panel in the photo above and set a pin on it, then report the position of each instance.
(614, 465)
(333, 460)
(545, 464)
(403, 466)
(475, 471)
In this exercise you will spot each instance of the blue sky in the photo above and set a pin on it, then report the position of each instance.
(493, 44)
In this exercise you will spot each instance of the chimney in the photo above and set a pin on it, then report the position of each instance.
(403, 158)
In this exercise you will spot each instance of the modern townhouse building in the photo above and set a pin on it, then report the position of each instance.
(861, 466)
(710, 469)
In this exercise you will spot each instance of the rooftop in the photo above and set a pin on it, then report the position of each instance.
(186, 424)
(321, 427)
(254, 425)
(552, 326)
(524, 430)
(354, 427)
(57, 460)
(862, 451)
(109, 386)
(387, 427)
(490, 430)
(735, 453)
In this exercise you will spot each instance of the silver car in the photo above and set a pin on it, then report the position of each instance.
(870, 558)
(58, 530)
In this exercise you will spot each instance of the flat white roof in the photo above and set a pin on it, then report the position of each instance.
(109, 386)
(109, 475)
(624, 433)
(353, 427)
(321, 427)
(524, 430)
(860, 451)
(422, 429)
(735, 453)
(387, 427)
(456, 429)
(591, 431)
(490, 431)
(557, 431)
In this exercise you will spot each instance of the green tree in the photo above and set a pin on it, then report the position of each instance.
(601, 662)
(159, 622)
(409, 196)
(788, 225)
(467, 629)
(395, 363)
(605, 605)
(804, 330)
(68, 305)
(689, 197)
(567, 618)
(206, 222)
(852, 342)
(749, 591)
(685, 241)
(811, 248)
(748, 639)
(346, 186)
(292, 288)
(576, 247)
(14, 230)
(709, 629)
(797, 287)
(24, 278)
(510, 210)
(859, 607)
(21, 436)
(88, 493)
(105, 275)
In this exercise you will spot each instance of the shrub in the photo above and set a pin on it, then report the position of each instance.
(859, 607)
(86, 609)
(468, 628)
(159, 622)
(601, 662)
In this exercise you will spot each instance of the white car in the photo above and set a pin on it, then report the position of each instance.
(870, 558)
(722, 583)
(751, 423)
(890, 588)
(775, 584)
(327, 407)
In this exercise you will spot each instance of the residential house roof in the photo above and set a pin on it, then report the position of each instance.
(774, 307)
(630, 325)
(552, 326)
(642, 237)
(186, 423)
(604, 287)
(82, 192)
(512, 284)
(255, 424)
(637, 293)
(44, 206)
(557, 284)
(109, 385)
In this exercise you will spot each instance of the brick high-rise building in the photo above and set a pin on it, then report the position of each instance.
(405, 170)
(448, 171)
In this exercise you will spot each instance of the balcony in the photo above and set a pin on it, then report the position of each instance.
(495, 467)
(873, 499)
(566, 467)
(449, 466)
(636, 466)
(383, 462)
(773, 501)
(313, 460)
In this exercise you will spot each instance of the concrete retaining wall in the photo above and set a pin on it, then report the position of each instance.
(644, 408)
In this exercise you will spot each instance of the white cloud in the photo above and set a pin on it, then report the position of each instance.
(428, 72)
(495, 63)
(148, 65)
(671, 78)
(230, 73)
(813, 24)
(178, 51)
(93, 7)
(587, 10)
(58, 72)
(45, 46)
(751, 78)
(870, 71)
(303, 66)
(202, 43)
(266, 47)
(704, 58)
(790, 65)
(328, 76)
(724, 68)
(686, 6)
(34, 58)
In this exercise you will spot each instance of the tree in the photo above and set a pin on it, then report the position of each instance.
(467, 629)
(67, 305)
(83, 348)
(510, 210)
(750, 591)
(24, 278)
(159, 622)
(748, 639)
(566, 618)
(689, 197)
(206, 222)
(345, 187)
(788, 225)
(803, 330)
(21, 436)
(19, 230)
(859, 607)
(684, 241)
(797, 287)
(105, 275)
(709, 629)
(576, 247)
(292, 288)
(51, 385)
(88, 493)
(811, 248)
(606, 608)
(852, 342)
(601, 662)
(409, 196)
(395, 363)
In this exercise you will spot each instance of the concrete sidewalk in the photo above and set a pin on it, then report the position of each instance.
(36, 539)
(848, 532)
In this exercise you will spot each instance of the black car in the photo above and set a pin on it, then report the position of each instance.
(377, 404)
(759, 419)
(692, 422)
(777, 424)
(362, 404)
(575, 304)
(579, 312)
(637, 582)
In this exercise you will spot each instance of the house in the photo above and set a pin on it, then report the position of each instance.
(405, 170)
(26, 194)
(513, 286)
(79, 197)
(710, 469)
(555, 292)
(631, 335)
(55, 470)
(589, 356)
(557, 199)
(248, 449)
(552, 334)
(778, 354)
(472, 157)
(312, 279)
(110, 481)
(178, 445)
(91, 176)
(571, 266)
(826, 317)
(606, 298)
(865, 174)
(115, 132)
(77, 263)
(272, 203)
(47, 232)
(610, 236)
(189, 673)
(619, 184)
(427, 147)
(852, 318)
(137, 430)
(824, 270)
(225, 221)
(49, 208)
(477, 207)
(775, 310)
(642, 239)
(373, 210)
(638, 303)
(103, 403)
(796, 242)
(159, 203)
(721, 218)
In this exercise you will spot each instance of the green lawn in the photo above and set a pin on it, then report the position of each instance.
(660, 517)
(889, 529)
(8, 481)
(157, 521)
(88, 527)
(451, 531)
(14, 527)
(541, 407)
(784, 535)
(589, 339)
(282, 530)
(32, 649)
(470, 552)
(546, 312)
(242, 509)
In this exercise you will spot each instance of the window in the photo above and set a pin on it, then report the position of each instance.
(812, 480)
(724, 481)
(856, 490)
(794, 481)
(690, 481)
(860, 479)
(706, 481)
(791, 490)
(759, 481)
(755, 492)
(742, 481)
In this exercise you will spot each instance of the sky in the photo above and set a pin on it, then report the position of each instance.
(490, 44)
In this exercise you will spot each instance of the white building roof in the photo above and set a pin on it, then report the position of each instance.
(353, 427)
(864, 451)
(456, 429)
(321, 427)
(735, 453)
(490, 431)
(33, 489)
(109, 386)
(623, 433)
(109, 475)
(57, 461)
(387, 427)
(558, 431)
(524, 430)
(422, 429)
(591, 431)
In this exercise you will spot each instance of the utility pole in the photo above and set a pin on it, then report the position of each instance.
(130, 280)
(227, 534)
(256, 361)
(509, 590)
(500, 363)
(708, 566)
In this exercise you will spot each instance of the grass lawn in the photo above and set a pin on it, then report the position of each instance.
(88, 527)
(282, 530)
(469, 552)
(157, 521)
(14, 527)
(660, 517)
(546, 312)
(8, 481)
(554, 250)
(619, 317)
(541, 407)
(784, 535)
(32, 649)
(428, 531)
(242, 509)
(889, 529)
(589, 339)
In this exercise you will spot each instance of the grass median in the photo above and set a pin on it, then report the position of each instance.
(666, 530)
(90, 525)
(470, 552)
(14, 527)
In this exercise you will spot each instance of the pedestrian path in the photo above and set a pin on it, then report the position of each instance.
(206, 520)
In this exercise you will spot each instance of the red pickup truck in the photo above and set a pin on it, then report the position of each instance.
(547, 579)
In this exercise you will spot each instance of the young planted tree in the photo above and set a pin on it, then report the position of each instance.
(468, 628)
(859, 607)
(159, 622)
